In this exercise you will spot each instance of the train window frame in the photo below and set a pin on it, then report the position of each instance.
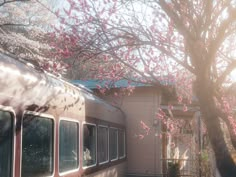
(44, 115)
(13, 116)
(124, 133)
(95, 164)
(117, 157)
(104, 162)
(78, 146)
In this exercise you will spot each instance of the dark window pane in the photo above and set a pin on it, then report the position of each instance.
(89, 147)
(6, 143)
(113, 143)
(102, 144)
(37, 146)
(121, 143)
(68, 150)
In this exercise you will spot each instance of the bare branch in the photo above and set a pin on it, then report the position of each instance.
(177, 21)
(15, 24)
(221, 35)
(12, 1)
(227, 71)
(182, 63)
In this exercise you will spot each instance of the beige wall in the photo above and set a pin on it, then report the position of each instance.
(144, 155)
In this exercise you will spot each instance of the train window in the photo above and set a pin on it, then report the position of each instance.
(113, 143)
(121, 144)
(89, 146)
(68, 145)
(37, 146)
(102, 144)
(6, 143)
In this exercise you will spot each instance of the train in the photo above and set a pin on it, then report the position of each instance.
(52, 128)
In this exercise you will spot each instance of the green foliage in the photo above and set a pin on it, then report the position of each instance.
(205, 164)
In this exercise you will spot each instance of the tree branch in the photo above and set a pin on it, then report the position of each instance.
(6, 2)
(177, 21)
(14, 24)
(227, 71)
(221, 36)
(185, 65)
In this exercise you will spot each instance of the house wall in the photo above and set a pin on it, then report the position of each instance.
(143, 154)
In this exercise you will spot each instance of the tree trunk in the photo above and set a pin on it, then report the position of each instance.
(224, 161)
(231, 132)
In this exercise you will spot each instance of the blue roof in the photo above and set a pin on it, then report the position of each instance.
(92, 84)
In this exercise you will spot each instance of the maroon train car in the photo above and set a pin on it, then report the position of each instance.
(49, 127)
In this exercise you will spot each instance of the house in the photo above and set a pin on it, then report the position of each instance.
(149, 145)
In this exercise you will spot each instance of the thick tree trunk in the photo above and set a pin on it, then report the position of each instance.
(231, 132)
(224, 161)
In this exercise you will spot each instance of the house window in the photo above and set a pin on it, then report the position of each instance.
(121, 143)
(113, 143)
(37, 146)
(89, 146)
(102, 144)
(68, 145)
(6, 143)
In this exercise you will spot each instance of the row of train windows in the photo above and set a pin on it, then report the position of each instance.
(100, 145)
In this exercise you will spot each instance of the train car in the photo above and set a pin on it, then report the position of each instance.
(51, 128)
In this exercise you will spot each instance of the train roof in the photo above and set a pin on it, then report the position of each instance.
(49, 81)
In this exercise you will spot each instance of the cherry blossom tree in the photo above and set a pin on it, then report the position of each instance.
(190, 43)
(24, 31)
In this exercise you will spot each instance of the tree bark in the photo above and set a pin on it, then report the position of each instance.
(230, 129)
(224, 161)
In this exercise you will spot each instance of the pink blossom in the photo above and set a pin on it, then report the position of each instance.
(185, 108)
(140, 136)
